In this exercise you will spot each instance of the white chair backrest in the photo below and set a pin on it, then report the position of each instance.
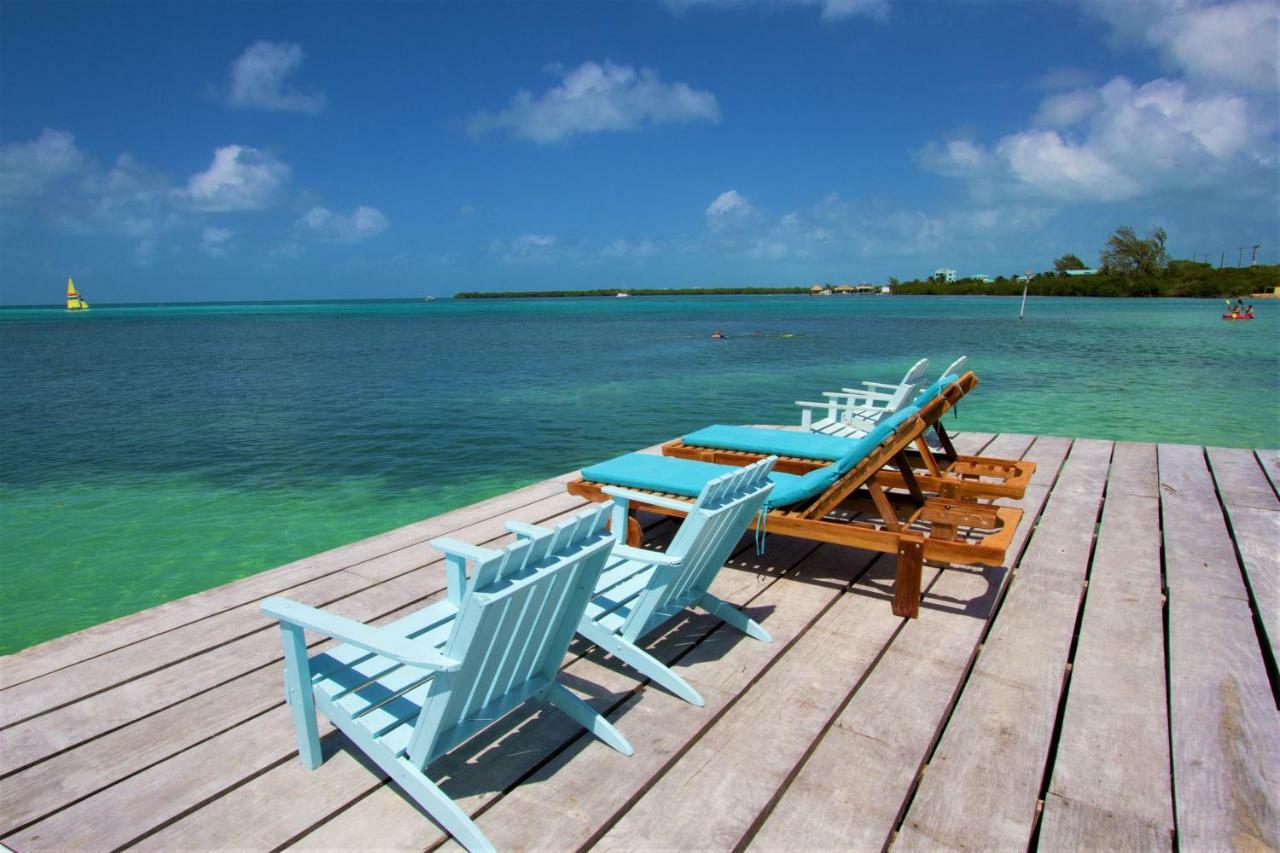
(955, 366)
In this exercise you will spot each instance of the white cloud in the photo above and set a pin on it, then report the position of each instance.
(730, 211)
(830, 10)
(213, 241)
(957, 157)
(531, 247)
(239, 178)
(1122, 141)
(593, 98)
(27, 167)
(361, 224)
(258, 79)
(1067, 108)
(1230, 44)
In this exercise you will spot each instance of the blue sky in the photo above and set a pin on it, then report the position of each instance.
(224, 151)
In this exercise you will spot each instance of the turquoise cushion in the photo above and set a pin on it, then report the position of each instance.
(927, 395)
(806, 445)
(687, 477)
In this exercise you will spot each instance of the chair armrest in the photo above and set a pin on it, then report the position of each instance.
(524, 530)
(456, 555)
(888, 385)
(640, 555)
(367, 637)
(646, 498)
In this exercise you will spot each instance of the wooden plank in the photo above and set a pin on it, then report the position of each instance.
(64, 651)
(1194, 527)
(1068, 825)
(1133, 471)
(1111, 772)
(1257, 536)
(482, 769)
(1240, 480)
(982, 785)
(1270, 462)
(1254, 513)
(1223, 720)
(850, 792)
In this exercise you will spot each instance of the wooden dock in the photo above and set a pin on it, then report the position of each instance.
(1114, 688)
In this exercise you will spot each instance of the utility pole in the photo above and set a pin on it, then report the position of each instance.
(1222, 260)
(1253, 262)
(1240, 259)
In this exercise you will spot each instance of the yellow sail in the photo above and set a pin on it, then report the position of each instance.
(74, 302)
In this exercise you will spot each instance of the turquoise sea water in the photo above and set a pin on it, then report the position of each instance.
(151, 452)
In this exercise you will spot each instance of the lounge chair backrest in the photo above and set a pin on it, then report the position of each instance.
(907, 388)
(956, 366)
(517, 615)
(713, 526)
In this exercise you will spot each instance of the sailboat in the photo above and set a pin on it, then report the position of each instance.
(74, 300)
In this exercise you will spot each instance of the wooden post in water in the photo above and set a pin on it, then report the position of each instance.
(1025, 285)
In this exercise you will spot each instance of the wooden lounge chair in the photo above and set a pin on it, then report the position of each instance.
(409, 692)
(942, 472)
(640, 590)
(853, 502)
(871, 402)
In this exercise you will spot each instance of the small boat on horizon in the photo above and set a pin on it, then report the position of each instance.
(75, 302)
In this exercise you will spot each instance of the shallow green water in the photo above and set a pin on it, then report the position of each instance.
(151, 452)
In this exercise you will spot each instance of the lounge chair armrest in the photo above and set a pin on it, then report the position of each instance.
(524, 530)
(456, 555)
(367, 637)
(861, 393)
(888, 385)
(656, 558)
(646, 498)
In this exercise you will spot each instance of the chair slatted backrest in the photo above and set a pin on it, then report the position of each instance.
(906, 389)
(909, 424)
(713, 526)
(513, 628)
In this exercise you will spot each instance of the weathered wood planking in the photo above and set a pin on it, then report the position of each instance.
(1254, 513)
(1270, 461)
(982, 785)
(478, 772)
(99, 713)
(1223, 721)
(64, 651)
(40, 789)
(850, 791)
(385, 807)
(1110, 780)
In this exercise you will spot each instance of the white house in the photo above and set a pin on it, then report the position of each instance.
(945, 274)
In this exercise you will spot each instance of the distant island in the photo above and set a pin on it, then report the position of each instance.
(1178, 279)
(1130, 266)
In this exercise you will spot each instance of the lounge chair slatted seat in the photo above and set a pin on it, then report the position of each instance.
(408, 692)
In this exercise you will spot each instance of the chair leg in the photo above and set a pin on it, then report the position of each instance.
(733, 616)
(442, 809)
(590, 719)
(297, 692)
(906, 586)
(641, 661)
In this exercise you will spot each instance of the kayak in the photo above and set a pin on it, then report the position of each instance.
(1237, 316)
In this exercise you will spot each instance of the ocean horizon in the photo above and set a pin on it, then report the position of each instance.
(156, 450)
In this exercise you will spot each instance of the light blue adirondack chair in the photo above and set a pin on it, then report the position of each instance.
(856, 424)
(640, 590)
(409, 692)
(867, 404)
